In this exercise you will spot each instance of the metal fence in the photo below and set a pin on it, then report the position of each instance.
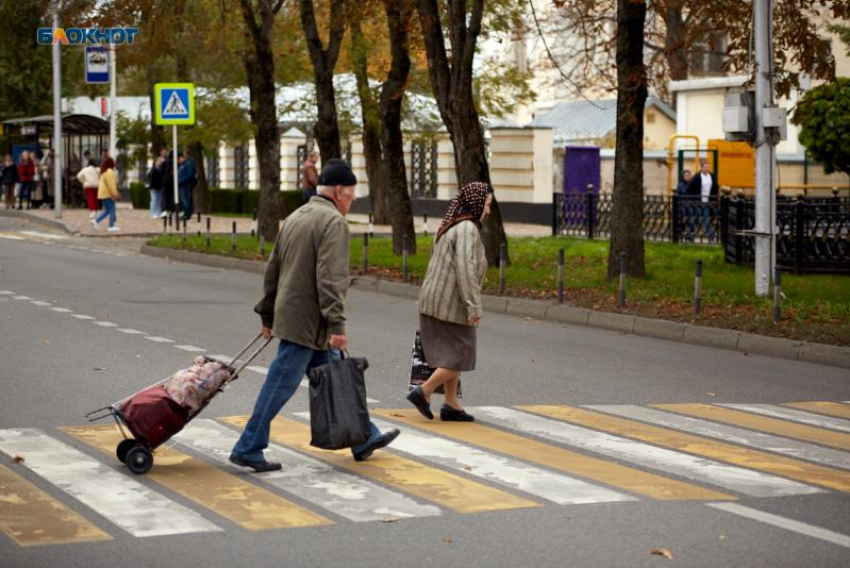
(813, 234)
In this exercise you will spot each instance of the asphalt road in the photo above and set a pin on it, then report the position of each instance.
(57, 366)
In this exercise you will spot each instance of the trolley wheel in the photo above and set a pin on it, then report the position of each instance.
(124, 448)
(139, 460)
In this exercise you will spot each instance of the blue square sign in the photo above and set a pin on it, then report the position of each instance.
(97, 65)
(175, 103)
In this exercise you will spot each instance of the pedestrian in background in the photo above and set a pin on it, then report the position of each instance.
(108, 194)
(309, 176)
(47, 184)
(26, 175)
(89, 177)
(450, 305)
(168, 166)
(703, 190)
(8, 179)
(155, 186)
(303, 304)
(187, 177)
(37, 192)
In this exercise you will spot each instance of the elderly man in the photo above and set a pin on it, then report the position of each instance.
(303, 304)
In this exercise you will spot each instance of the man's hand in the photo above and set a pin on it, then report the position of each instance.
(474, 319)
(267, 333)
(338, 341)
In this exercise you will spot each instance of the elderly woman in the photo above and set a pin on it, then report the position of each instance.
(450, 301)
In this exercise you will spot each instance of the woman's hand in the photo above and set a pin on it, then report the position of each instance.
(474, 319)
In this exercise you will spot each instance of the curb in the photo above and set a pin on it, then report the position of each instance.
(731, 340)
(35, 220)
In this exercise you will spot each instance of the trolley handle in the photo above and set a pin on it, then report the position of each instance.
(252, 356)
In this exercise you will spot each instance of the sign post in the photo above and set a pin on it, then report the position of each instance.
(175, 104)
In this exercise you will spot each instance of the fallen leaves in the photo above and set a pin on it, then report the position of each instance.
(662, 552)
(711, 393)
(100, 369)
(46, 342)
(18, 459)
(396, 415)
(448, 539)
(389, 519)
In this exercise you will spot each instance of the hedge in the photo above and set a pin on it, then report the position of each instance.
(224, 200)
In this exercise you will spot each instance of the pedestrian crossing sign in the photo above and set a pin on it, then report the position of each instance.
(175, 103)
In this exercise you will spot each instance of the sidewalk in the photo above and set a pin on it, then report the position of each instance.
(138, 222)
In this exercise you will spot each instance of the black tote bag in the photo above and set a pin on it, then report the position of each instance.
(339, 417)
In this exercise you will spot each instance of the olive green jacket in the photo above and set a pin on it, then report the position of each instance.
(306, 277)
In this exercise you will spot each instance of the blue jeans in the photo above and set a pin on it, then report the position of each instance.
(186, 201)
(156, 202)
(108, 209)
(291, 363)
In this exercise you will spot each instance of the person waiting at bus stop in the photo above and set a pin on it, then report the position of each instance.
(703, 190)
(303, 304)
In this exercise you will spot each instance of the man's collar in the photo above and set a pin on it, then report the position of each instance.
(332, 202)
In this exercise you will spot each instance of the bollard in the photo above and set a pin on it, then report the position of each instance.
(698, 289)
(177, 220)
(263, 246)
(622, 299)
(503, 261)
(184, 232)
(199, 216)
(165, 224)
(404, 258)
(209, 238)
(365, 253)
(561, 276)
(233, 239)
(371, 226)
(425, 215)
(777, 295)
(254, 224)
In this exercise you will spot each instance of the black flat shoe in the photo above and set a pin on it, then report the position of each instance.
(418, 400)
(450, 414)
(381, 441)
(257, 465)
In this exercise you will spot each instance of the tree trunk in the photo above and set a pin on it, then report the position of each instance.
(627, 212)
(259, 65)
(675, 43)
(452, 85)
(392, 141)
(371, 125)
(324, 60)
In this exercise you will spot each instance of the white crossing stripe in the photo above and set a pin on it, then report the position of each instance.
(259, 369)
(555, 487)
(22, 298)
(130, 331)
(190, 348)
(105, 324)
(760, 440)
(135, 508)
(62, 310)
(82, 317)
(6, 293)
(314, 481)
(748, 482)
(12, 238)
(793, 415)
(784, 523)
(40, 303)
(158, 339)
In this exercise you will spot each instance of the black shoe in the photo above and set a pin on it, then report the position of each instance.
(418, 400)
(257, 465)
(381, 441)
(450, 414)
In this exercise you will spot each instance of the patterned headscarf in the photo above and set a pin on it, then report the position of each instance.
(467, 205)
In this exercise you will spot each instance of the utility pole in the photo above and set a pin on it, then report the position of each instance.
(764, 146)
(112, 110)
(58, 154)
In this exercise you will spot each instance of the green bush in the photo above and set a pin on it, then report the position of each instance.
(246, 201)
(291, 200)
(139, 195)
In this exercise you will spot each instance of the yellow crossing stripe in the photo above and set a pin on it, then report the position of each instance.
(435, 485)
(837, 409)
(30, 517)
(762, 423)
(753, 459)
(235, 499)
(613, 474)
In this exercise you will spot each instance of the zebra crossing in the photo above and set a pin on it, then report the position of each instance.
(66, 486)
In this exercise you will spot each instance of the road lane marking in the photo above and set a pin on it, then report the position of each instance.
(615, 475)
(435, 485)
(784, 523)
(836, 409)
(259, 369)
(40, 303)
(695, 468)
(12, 238)
(758, 440)
(6, 293)
(22, 298)
(82, 317)
(30, 517)
(780, 427)
(780, 413)
(130, 331)
(227, 495)
(44, 235)
(120, 499)
(190, 348)
(62, 310)
(555, 487)
(158, 339)
(314, 481)
(105, 324)
(744, 457)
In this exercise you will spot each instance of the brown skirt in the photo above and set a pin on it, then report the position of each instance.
(447, 345)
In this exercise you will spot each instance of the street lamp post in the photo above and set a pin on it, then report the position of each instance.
(58, 154)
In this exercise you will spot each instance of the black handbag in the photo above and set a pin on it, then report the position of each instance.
(339, 417)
